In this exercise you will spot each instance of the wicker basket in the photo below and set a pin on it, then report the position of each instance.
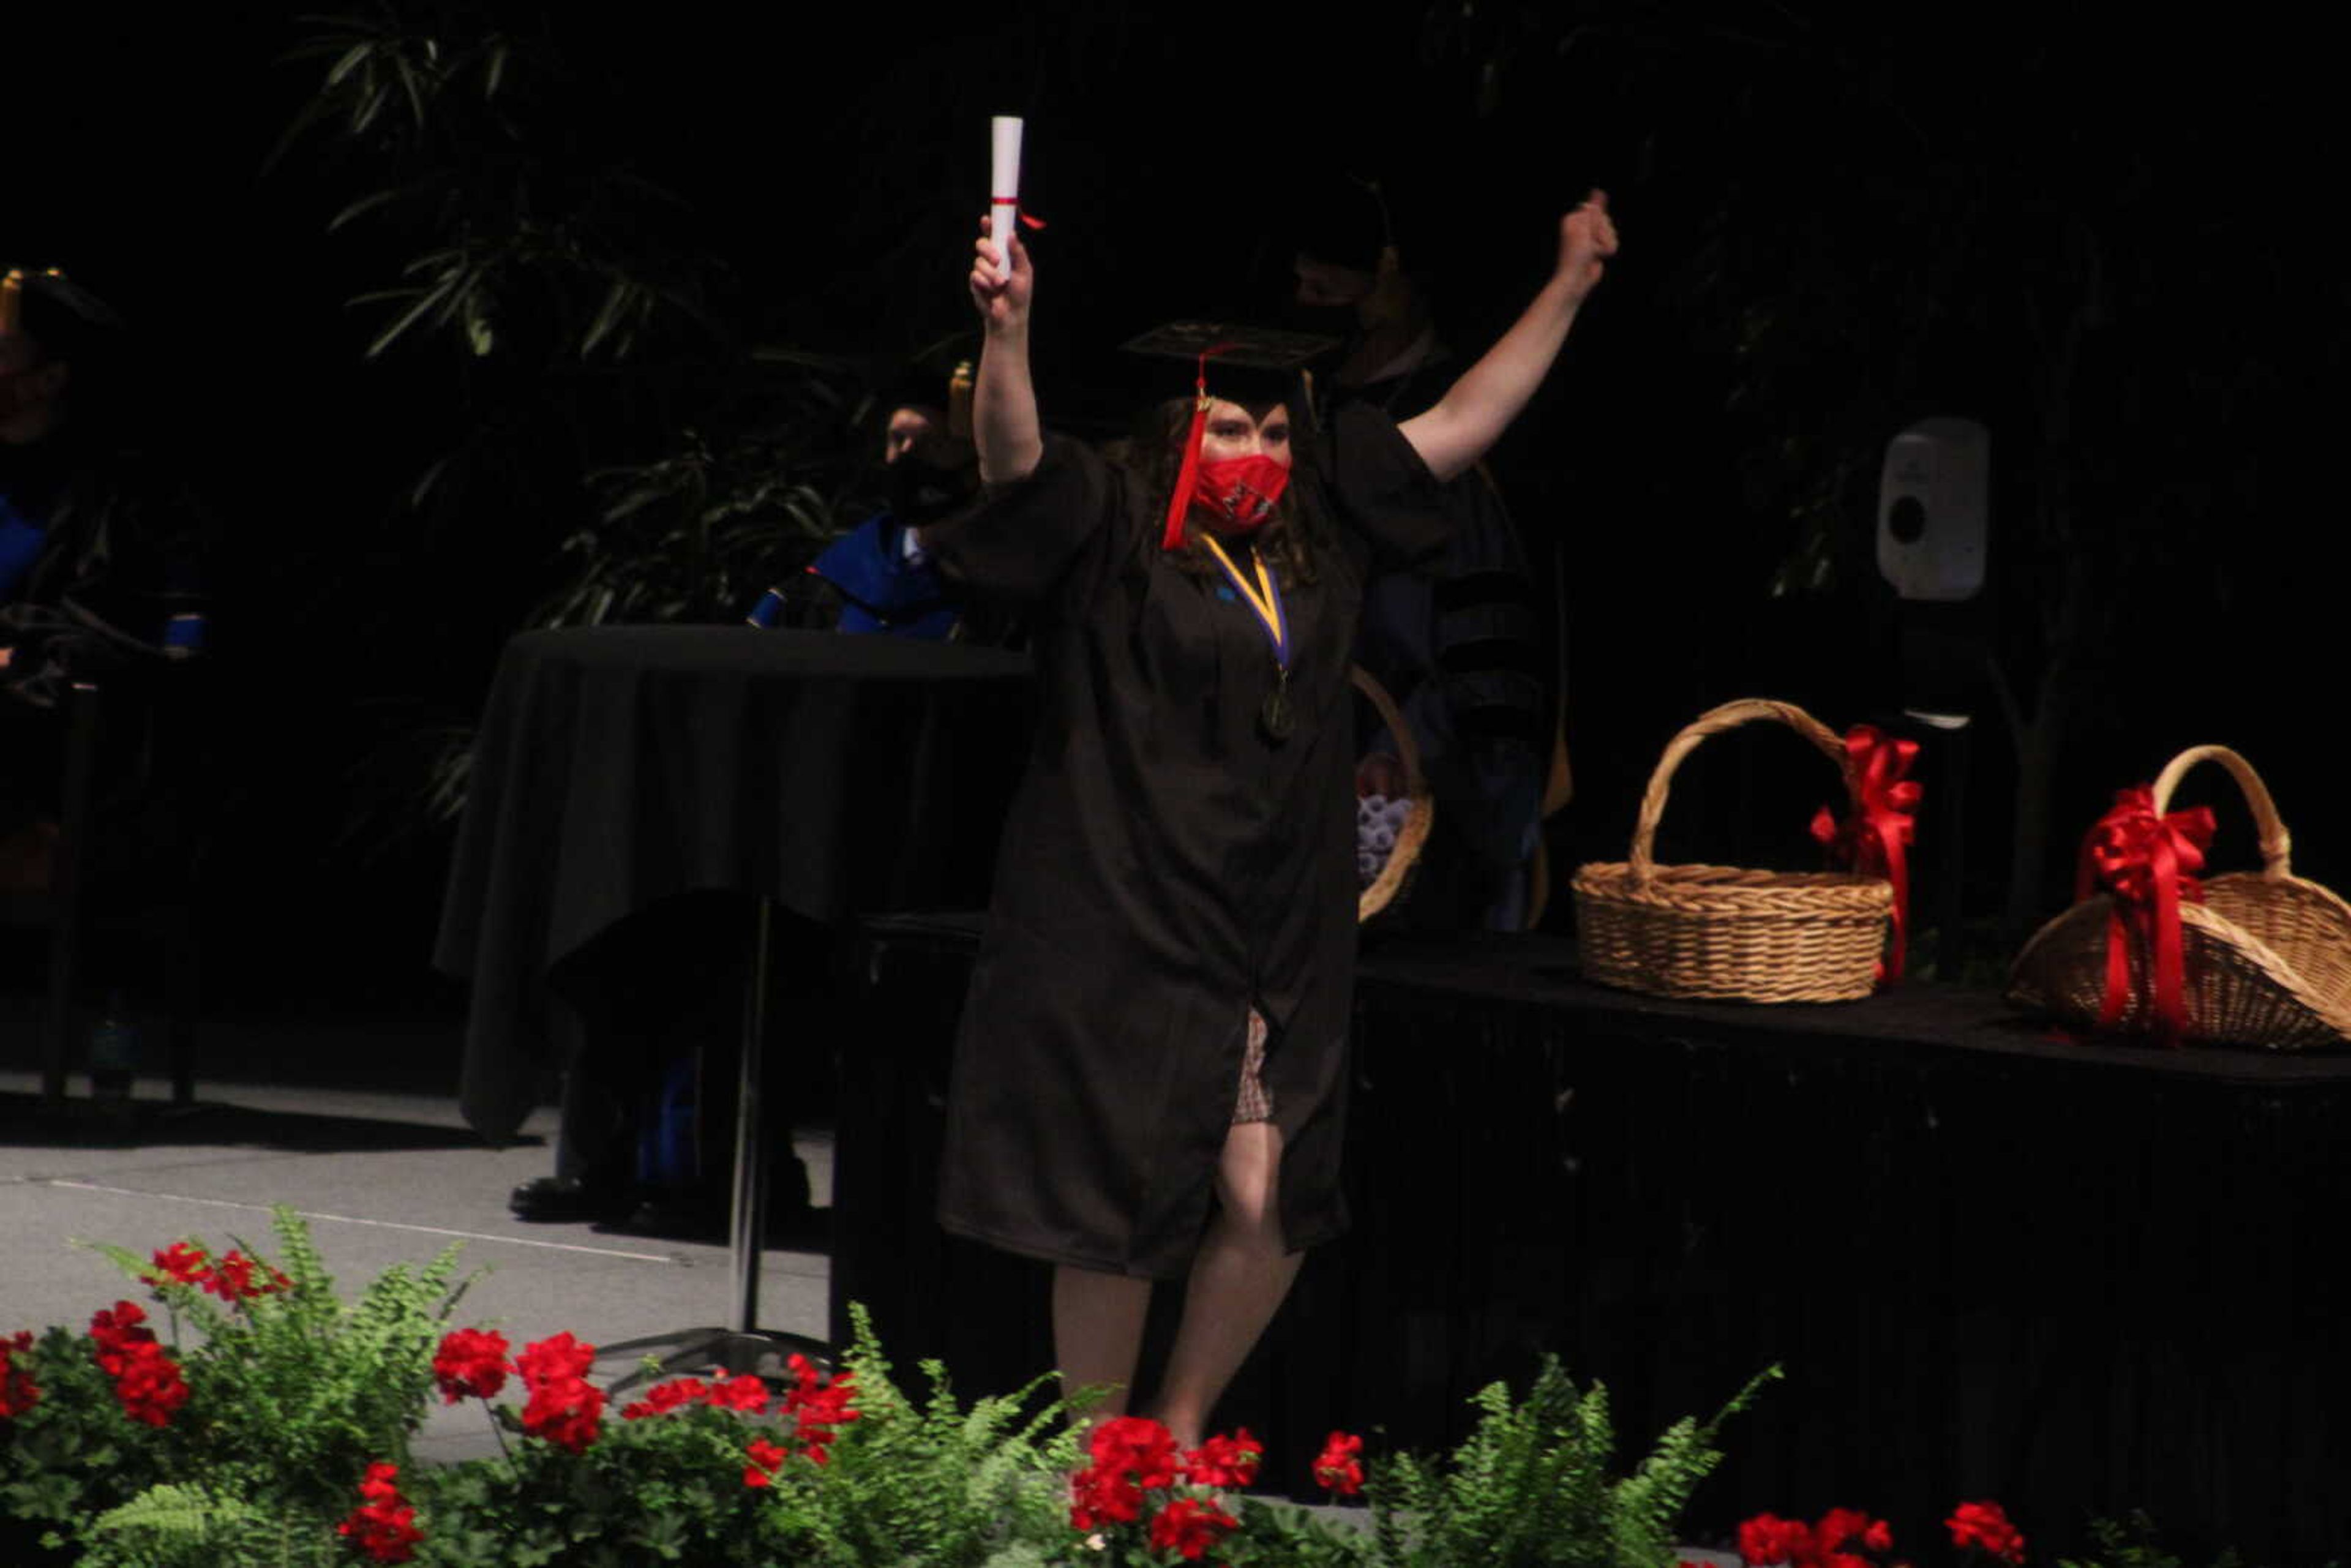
(2268, 954)
(1389, 884)
(1706, 931)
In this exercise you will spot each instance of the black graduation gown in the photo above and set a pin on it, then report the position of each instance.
(1166, 866)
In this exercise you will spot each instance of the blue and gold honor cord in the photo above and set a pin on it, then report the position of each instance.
(1264, 597)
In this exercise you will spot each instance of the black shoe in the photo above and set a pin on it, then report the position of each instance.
(564, 1200)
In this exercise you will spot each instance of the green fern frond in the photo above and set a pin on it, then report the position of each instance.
(175, 1509)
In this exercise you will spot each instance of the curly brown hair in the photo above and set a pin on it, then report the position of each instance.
(1155, 453)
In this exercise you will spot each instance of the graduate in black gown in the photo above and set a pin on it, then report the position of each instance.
(1149, 1080)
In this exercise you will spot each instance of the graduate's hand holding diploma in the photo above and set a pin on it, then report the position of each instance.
(1002, 299)
(1004, 424)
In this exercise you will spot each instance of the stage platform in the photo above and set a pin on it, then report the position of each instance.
(2082, 1278)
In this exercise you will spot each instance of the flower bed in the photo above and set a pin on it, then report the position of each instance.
(278, 1435)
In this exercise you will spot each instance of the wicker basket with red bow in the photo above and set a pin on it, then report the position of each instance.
(2149, 947)
(1721, 932)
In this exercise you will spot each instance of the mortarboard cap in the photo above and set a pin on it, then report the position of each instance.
(1256, 366)
(1252, 366)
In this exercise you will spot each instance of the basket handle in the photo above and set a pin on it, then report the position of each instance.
(2277, 845)
(1730, 716)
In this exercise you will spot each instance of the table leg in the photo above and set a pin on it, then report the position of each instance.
(65, 893)
(742, 1345)
(749, 1229)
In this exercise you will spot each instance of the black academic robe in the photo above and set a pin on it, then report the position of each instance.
(1166, 865)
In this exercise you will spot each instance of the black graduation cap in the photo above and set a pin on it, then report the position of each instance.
(1253, 366)
(1256, 366)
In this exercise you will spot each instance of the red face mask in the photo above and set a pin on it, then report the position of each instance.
(1242, 491)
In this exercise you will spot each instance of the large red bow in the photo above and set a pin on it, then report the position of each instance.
(2150, 864)
(1875, 839)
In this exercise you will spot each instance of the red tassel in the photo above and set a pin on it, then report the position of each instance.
(1187, 477)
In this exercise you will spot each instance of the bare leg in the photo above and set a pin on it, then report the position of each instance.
(1237, 1281)
(1098, 1334)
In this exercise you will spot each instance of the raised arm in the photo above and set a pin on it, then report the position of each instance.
(1480, 406)
(1003, 400)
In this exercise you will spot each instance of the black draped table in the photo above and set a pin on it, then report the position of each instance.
(827, 776)
(2080, 1278)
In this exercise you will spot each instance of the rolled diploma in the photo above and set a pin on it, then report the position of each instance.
(1003, 190)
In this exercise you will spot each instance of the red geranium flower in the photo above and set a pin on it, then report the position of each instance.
(1986, 1527)
(663, 1398)
(564, 1408)
(232, 1278)
(1137, 1446)
(114, 1327)
(1336, 1468)
(742, 1393)
(180, 1264)
(470, 1362)
(816, 1417)
(1840, 1527)
(1098, 1498)
(1131, 1455)
(766, 1461)
(146, 1379)
(18, 1392)
(558, 1357)
(817, 1406)
(149, 1385)
(1190, 1527)
(384, 1526)
(1767, 1537)
(1225, 1462)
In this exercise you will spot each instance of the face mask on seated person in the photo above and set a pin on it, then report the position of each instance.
(934, 477)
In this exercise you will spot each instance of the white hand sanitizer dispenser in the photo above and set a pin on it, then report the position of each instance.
(1933, 511)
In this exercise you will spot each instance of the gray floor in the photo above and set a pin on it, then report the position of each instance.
(383, 1177)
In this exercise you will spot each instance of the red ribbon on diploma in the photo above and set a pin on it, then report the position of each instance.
(1027, 222)
(2148, 863)
(1875, 840)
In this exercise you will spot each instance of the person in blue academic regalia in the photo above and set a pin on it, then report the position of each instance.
(880, 573)
(101, 549)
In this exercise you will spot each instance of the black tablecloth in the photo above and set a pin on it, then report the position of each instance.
(618, 765)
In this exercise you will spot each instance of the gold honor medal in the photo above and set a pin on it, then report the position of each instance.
(1275, 715)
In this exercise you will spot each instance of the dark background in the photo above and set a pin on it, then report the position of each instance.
(2108, 240)
(1831, 228)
